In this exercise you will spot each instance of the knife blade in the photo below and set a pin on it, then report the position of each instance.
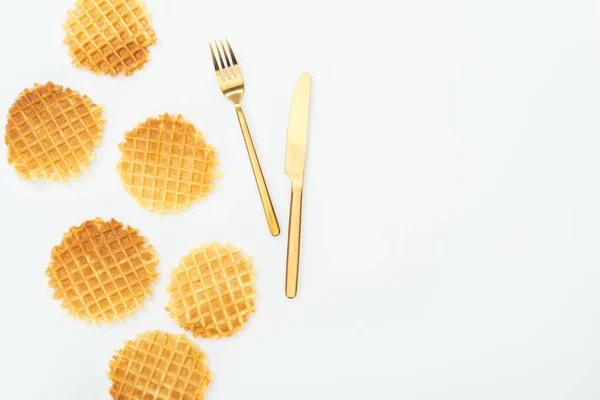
(295, 160)
(297, 134)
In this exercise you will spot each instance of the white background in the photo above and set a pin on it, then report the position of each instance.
(451, 210)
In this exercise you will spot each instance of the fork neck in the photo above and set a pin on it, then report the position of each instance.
(235, 98)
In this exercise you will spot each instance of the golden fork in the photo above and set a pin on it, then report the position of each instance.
(231, 83)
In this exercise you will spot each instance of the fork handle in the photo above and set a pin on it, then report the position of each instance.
(293, 250)
(265, 198)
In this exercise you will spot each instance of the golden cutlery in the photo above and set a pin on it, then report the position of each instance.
(231, 83)
(295, 160)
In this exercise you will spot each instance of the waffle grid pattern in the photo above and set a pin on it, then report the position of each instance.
(159, 365)
(51, 132)
(212, 291)
(166, 164)
(109, 36)
(102, 271)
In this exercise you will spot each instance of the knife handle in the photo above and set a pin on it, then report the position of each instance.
(293, 251)
(265, 198)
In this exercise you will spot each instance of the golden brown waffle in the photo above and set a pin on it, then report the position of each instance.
(211, 291)
(51, 132)
(102, 270)
(159, 366)
(166, 165)
(109, 36)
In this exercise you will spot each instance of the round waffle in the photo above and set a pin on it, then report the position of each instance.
(161, 366)
(211, 291)
(51, 132)
(109, 36)
(166, 165)
(102, 270)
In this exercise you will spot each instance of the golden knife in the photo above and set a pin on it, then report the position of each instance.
(295, 159)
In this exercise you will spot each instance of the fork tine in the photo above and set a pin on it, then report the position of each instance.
(212, 53)
(231, 52)
(224, 68)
